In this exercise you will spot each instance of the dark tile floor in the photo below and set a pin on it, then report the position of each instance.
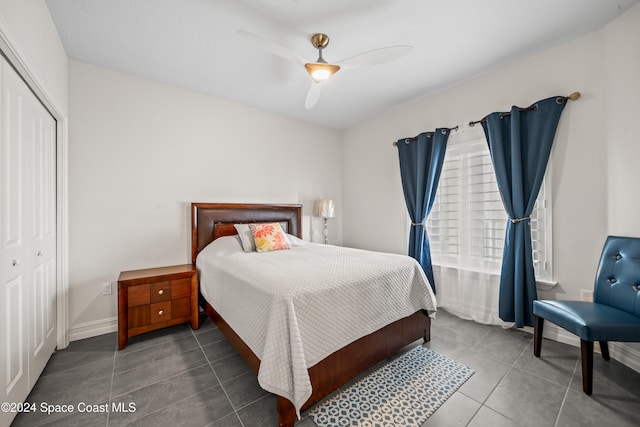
(180, 377)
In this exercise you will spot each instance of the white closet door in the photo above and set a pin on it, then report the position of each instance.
(27, 239)
(40, 255)
(15, 292)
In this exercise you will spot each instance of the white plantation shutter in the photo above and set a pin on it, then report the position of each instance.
(541, 233)
(467, 223)
(487, 218)
(443, 225)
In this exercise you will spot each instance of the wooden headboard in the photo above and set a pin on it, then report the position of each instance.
(212, 220)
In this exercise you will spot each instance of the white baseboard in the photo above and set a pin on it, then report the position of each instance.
(92, 329)
(626, 355)
(619, 351)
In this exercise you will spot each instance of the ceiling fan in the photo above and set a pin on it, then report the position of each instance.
(320, 70)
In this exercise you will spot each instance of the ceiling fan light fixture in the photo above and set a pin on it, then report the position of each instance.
(321, 71)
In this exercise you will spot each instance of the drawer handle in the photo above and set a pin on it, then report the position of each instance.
(161, 312)
(15, 262)
(161, 291)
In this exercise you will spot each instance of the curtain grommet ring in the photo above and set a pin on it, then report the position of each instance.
(560, 100)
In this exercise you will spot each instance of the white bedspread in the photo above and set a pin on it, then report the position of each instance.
(295, 307)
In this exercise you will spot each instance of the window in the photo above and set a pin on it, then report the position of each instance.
(467, 223)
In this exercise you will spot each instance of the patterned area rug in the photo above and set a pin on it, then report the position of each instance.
(404, 392)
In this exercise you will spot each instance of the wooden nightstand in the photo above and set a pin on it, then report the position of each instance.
(155, 298)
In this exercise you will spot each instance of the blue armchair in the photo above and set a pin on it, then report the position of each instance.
(614, 314)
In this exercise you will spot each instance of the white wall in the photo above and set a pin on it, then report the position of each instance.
(32, 32)
(141, 151)
(594, 167)
(623, 110)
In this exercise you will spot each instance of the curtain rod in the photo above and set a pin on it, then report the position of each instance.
(572, 97)
(407, 140)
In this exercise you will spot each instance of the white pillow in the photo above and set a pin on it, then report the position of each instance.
(295, 240)
(246, 238)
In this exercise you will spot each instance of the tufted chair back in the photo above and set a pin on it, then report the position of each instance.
(618, 279)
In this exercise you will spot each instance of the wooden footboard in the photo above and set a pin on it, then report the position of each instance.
(343, 365)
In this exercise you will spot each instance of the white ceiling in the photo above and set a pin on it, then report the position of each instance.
(195, 44)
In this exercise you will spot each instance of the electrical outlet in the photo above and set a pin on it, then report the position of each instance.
(586, 295)
(106, 288)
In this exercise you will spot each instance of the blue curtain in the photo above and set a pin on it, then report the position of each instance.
(421, 161)
(520, 144)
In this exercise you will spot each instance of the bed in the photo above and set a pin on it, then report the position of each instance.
(216, 250)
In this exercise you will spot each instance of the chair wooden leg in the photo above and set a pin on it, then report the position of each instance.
(538, 323)
(586, 349)
(604, 349)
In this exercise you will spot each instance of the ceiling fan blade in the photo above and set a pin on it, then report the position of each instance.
(313, 95)
(375, 56)
(272, 47)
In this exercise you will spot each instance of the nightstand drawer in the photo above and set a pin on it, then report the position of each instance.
(139, 295)
(160, 312)
(180, 288)
(180, 307)
(139, 316)
(160, 291)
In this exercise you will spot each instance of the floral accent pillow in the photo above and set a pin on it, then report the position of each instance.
(269, 237)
